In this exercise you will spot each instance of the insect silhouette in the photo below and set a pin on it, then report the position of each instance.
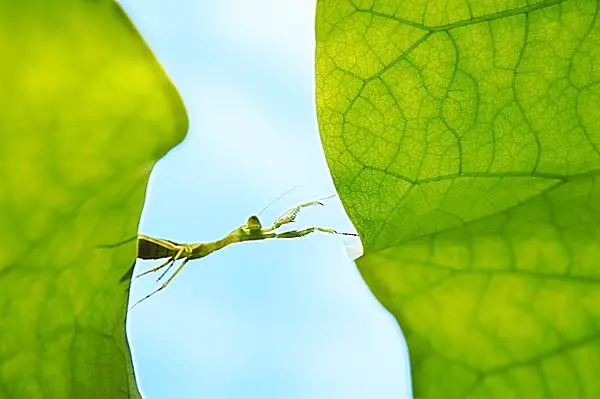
(158, 248)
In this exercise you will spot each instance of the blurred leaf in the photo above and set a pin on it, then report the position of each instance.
(464, 141)
(85, 112)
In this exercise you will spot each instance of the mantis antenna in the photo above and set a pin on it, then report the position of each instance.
(318, 201)
(278, 198)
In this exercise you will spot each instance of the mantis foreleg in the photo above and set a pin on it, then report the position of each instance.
(289, 216)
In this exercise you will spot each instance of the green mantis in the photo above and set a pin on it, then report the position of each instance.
(252, 230)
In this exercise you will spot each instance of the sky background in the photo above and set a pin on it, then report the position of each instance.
(280, 319)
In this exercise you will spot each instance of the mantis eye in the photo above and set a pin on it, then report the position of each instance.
(253, 223)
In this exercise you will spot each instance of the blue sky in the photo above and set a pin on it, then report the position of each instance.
(275, 319)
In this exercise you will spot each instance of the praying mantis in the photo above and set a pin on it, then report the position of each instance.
(158, 248)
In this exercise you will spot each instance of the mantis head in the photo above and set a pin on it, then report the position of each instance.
(253, 224)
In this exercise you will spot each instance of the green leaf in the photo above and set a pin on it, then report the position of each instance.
(85, 111)
(464, 140)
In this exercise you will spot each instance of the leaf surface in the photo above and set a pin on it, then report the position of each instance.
(85, 112)
(464, 138)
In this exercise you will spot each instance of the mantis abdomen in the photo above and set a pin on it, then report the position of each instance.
(150, 250)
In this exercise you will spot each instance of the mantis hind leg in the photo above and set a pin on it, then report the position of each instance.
(169, 262)
(157, 268)
(166, 271)
(162, 287)
(178, 256)
(186, 260)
